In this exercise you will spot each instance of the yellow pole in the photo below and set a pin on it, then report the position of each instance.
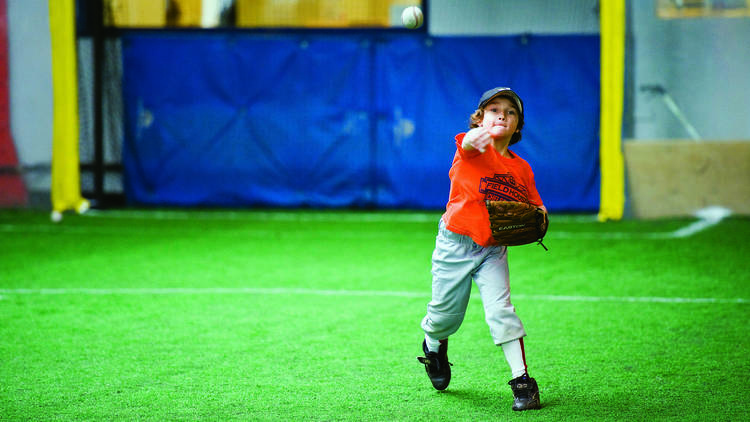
(66, 188)
(612, 31)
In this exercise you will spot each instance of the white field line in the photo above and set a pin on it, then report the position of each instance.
(708, 217)
(209, 291)
(347, 293)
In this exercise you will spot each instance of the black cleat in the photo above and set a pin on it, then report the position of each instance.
(525, 393)
(437, 366)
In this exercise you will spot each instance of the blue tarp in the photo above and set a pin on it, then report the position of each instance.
(351, 119)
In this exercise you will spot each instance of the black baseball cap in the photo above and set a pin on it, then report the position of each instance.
(501, 92)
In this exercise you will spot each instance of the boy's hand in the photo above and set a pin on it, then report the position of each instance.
(477, 138)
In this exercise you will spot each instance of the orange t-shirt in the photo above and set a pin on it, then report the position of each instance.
(476, 177)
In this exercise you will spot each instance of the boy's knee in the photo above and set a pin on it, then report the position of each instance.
(504, 323)
(441, 325)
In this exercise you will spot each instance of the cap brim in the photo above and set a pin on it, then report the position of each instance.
(502, 92)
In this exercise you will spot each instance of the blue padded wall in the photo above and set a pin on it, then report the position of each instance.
(355, 119)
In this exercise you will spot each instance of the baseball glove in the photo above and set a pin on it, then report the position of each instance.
(517, 223)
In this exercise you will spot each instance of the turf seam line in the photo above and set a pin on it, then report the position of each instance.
(354, 216)
(270, 216)
(707, 218)
(677, 234)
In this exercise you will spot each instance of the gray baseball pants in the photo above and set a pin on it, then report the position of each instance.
(456, 260)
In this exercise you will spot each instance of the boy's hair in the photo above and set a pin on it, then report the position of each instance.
(475, 120)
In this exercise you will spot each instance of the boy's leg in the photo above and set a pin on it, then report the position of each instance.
(507, 331)
(515, 356)
(453, 261)
(492, 279)
(452, 265)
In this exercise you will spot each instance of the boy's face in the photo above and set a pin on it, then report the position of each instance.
(503, 113)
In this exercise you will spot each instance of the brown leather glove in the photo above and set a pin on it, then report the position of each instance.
(517, 223)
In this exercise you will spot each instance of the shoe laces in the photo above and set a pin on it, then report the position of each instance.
(522, 386)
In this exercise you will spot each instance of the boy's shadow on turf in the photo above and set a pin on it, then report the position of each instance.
(487, 400)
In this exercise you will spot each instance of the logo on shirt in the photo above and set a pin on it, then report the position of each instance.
(503, 187)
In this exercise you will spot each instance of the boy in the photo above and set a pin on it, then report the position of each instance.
(483, 169)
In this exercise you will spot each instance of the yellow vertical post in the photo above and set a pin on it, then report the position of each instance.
(612, 32)
(66, 187)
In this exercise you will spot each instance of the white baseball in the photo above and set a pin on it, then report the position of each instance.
(412, 17)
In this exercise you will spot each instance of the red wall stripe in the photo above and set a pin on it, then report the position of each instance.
(12, 189)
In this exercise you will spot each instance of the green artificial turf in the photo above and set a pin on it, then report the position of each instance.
(314, 315)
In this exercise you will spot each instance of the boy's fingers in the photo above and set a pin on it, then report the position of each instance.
(482, 146)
